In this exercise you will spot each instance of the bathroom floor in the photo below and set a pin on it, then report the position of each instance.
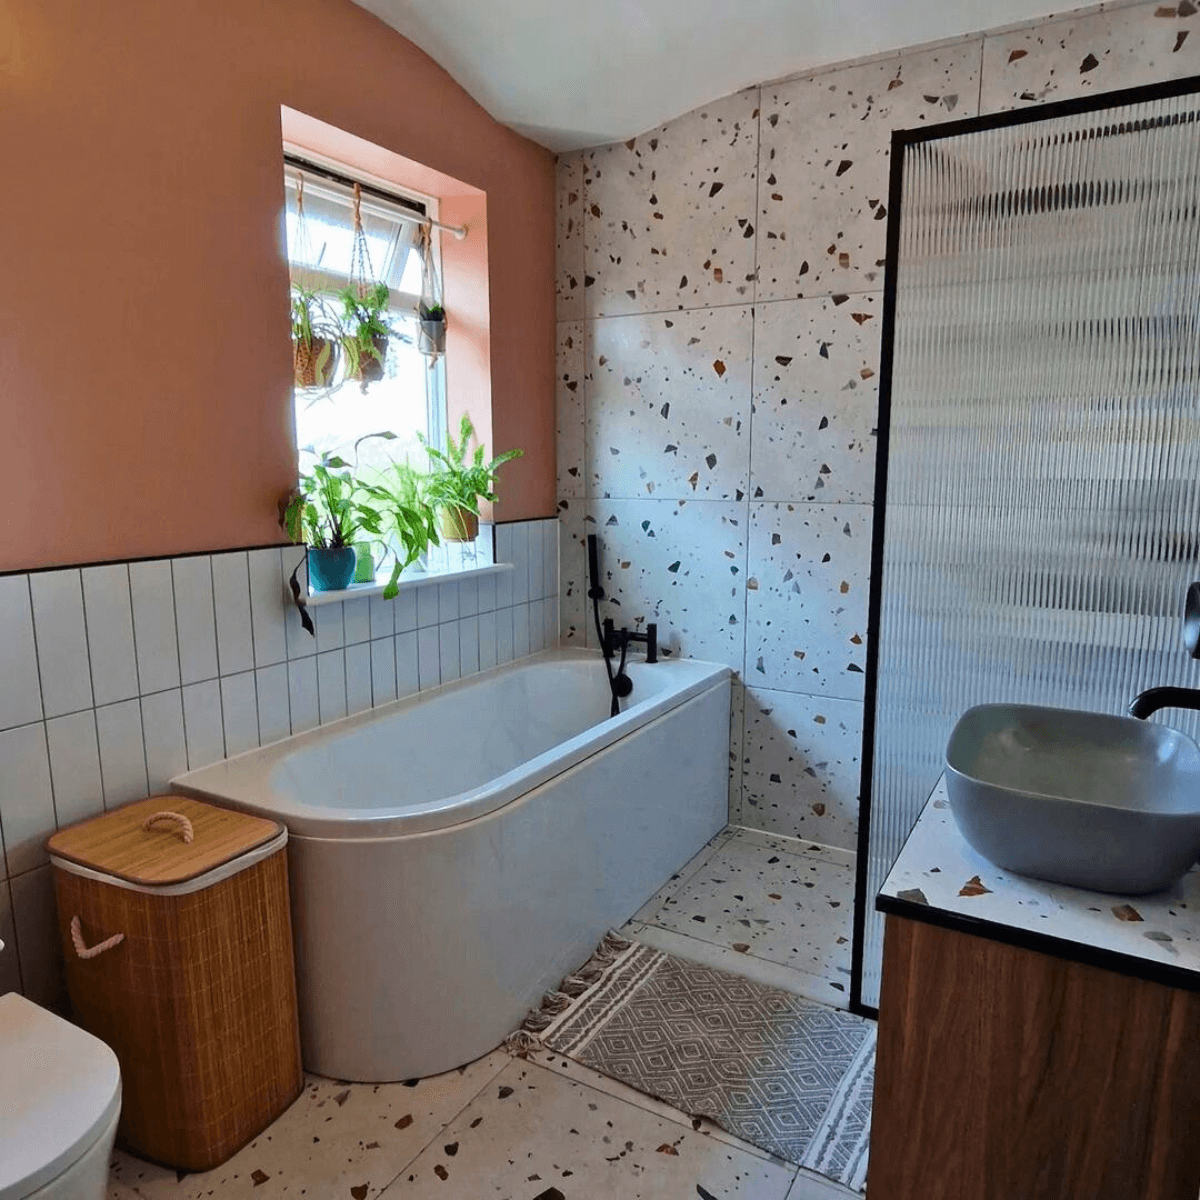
(771, 908)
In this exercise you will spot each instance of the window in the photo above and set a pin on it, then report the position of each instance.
(410, 397)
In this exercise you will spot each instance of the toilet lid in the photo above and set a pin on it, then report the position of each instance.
(59, 1089)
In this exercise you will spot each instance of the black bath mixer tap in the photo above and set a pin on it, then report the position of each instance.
(621, 639)
(1147, 703)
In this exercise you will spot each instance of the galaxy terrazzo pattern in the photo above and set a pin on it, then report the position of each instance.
(724, 274)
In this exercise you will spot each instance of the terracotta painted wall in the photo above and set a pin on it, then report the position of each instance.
(144, 353)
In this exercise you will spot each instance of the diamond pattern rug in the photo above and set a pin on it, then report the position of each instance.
(786, 1074)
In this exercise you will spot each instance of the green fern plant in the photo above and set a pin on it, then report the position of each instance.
(458, 480)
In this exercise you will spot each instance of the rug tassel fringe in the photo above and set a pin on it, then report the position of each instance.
(555, 1003)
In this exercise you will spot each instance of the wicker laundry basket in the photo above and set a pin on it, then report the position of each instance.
(177, 939)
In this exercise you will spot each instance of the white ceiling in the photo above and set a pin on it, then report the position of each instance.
(571, 73)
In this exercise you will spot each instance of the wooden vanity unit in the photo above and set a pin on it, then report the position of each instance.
(1036, 1041)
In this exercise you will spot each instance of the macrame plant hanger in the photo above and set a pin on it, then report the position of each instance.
(315, 340)
(432, 315)
(366, 340)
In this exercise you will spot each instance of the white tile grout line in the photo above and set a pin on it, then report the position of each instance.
(827, 854)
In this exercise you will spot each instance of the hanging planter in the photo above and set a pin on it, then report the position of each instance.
(365, 332)
(315, 331)
(432, 313)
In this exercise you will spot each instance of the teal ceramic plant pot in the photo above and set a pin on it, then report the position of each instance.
(330, 570)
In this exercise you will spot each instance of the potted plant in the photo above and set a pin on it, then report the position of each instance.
(400, 493)
(326, 511)
(432, 319)
(315, 337)
(364, 331)
(456, 485)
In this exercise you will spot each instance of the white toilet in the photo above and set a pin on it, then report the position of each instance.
(60, 1097)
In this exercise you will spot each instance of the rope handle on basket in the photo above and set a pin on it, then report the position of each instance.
(185, 826)
(92, 951)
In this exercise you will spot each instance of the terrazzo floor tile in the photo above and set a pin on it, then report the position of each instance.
(681, 876)
(669, 215)
(794, 909)
(337, 1140)
(1090, 52)
(816, 1187)
(533, 1134)
(802, 766)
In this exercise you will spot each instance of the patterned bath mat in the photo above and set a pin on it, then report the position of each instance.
(786, 1074)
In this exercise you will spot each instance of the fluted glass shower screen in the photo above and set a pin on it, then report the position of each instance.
(1038, 492)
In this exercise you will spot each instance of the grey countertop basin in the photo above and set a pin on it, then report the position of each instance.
(1087, 799)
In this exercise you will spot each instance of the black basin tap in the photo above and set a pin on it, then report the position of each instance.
(1147, 703)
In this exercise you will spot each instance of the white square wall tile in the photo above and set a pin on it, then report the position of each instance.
(487, 640)
(449, 652)
(26, 797)
(239, 712)
(429, 657)
(668, 406)
(520, 630)
(537, 626)
(448, 609)
(194, 618)
(75, 767)
(330, 621)
(21, 696)
(331, 685)
(274, 720)
(154, 635)
(356, 619)
(61, 641)
(550, 557)
(302, 694)
(35, 919)
(802, 764)
(405, 606)
(537, 559)
(358, 677)
(267, 614)
(231, 599)
(504, 635)
(383, 670)
(468, 597)
(383, 617)
(468, 645)
(122, 753)
(670, 214)
(519, 534)
(806, 609)
(407, 672)
(109, 615)
(202, 724)
(427, 605)
(166, 744)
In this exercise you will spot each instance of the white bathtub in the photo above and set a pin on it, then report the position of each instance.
(455, 854)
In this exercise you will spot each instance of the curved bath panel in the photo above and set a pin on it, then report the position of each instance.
(432, 906)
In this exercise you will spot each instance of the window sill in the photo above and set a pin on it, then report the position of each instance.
(363, 591)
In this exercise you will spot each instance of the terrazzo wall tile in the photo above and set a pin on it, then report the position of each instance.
(803, 756)
(568, 408)
(680, 563)
(569, 237)
(668, 398)
(816, 399)
(669, 216)
(574, 609)
(806, 608)
(823, 164)
(737, 718)
(1089, 53)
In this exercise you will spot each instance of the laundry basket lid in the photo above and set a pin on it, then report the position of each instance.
(120, 844)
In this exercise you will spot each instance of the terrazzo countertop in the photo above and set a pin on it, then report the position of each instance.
(939, 879)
